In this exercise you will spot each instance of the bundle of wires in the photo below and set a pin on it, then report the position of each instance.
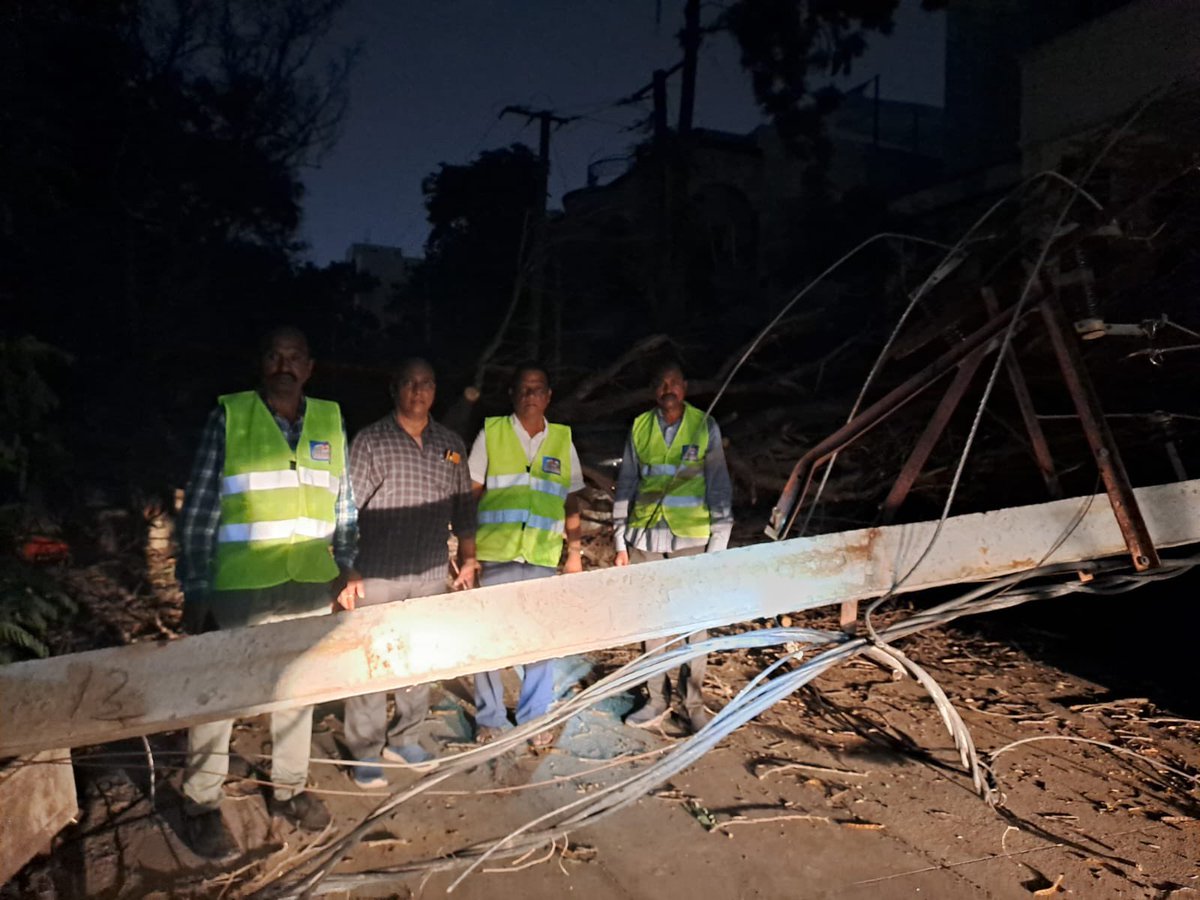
(790, 672)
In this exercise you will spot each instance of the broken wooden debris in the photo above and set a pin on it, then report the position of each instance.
(852, 824)
(37, 800)
(774, 767)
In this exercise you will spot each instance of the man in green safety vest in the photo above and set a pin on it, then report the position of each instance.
(267, 530)
(673, 498)
(526, 473)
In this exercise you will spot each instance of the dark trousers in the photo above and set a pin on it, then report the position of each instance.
(366, 723)
(688, 679)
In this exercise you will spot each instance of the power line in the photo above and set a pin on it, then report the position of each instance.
(483, 137)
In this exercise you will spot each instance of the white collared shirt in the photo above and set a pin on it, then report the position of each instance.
(477, 462)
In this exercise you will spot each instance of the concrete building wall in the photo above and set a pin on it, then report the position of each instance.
(389, 266)
(1099, 71)
(985, 40)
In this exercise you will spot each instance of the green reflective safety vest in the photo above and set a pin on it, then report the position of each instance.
(672, 478)
(277, 504)
(522, 514)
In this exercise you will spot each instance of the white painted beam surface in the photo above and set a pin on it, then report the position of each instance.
(107, 694)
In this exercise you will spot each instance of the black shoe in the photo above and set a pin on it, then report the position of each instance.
(303, 810)
(698, 717)
(207, 837)
(650, 715)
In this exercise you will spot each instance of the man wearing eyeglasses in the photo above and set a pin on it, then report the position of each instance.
(525, 472)
(412, 475)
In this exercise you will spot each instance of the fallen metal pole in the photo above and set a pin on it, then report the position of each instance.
(1100, 438)
(104, 695)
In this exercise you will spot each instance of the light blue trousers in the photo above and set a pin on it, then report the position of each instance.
(537, 687)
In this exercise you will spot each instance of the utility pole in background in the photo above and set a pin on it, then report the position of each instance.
(545, 118)
(691, 53)
(675, 190)
(659, 86)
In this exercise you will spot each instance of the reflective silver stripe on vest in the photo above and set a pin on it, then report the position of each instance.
(500, 516)
(259, 481)
(272, 531)
(280, 479)
(554, 525)
(524, 479)
(321, 478)
(662, 469)
(519, 479)
(677, 500)
(548, 487)
(508, 516)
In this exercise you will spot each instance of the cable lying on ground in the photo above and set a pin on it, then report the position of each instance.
(781, 679)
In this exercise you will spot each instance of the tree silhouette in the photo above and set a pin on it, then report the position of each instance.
(478, 213)
(785, 43)
(149, 166)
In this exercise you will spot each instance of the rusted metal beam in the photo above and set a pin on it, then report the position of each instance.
(105, 695)
(1033, 427)
(932, 434)
(848, 615)
(1100, 438)
(801, 475)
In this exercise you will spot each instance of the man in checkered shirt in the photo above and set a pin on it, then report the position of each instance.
(410, 481)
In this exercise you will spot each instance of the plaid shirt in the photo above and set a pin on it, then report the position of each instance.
(201, 515)
(410, 498)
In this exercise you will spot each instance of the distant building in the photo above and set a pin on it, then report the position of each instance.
(891, 146)
(745, 195)
(1085, 81)
(985, 40)
(1024, 78)
(704, 231)
(391, 270)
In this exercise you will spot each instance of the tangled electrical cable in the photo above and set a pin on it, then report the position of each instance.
(763, 691)
(782, 678)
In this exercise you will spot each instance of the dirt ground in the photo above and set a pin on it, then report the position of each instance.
(849, 789)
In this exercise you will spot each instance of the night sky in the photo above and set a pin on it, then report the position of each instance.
(433, 76)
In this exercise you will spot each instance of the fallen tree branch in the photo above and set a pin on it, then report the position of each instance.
(590, 384)
(768, 769)
(802, 817)
(481, 365)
